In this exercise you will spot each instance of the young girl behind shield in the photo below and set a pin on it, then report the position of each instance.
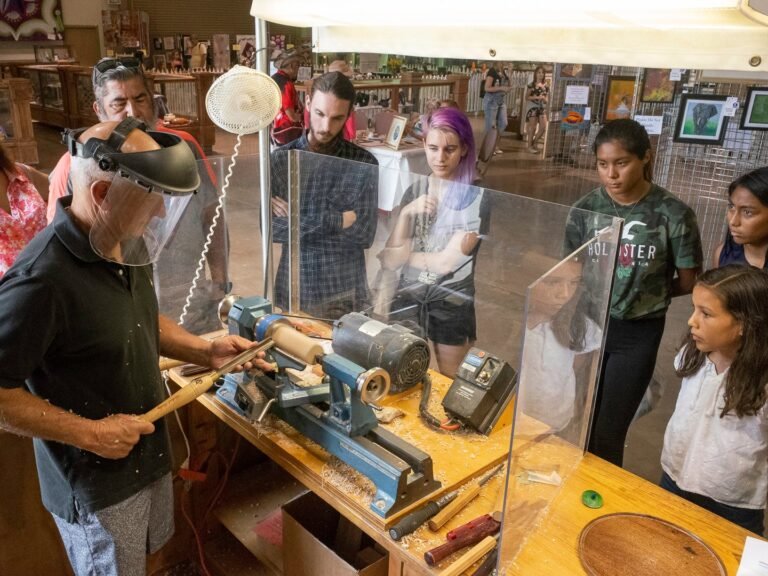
(716, 445)
(558, 338)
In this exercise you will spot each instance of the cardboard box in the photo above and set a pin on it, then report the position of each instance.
(250, 510)
(315, 537)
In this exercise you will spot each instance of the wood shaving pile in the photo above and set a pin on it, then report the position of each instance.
(348, 480)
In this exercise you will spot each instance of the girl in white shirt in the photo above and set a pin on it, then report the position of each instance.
(716, 445)
(558, 336)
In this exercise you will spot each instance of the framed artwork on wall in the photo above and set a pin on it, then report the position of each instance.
(619, 96)
(701, 119)
(657, 87)
(159, 61)
(755, 113)
(43, 54)
(575, 70)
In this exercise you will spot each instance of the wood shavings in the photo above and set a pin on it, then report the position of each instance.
(348, 480)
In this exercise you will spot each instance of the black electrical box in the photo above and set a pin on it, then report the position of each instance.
(482, 388)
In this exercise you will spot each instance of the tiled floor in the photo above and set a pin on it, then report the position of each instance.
(519, 172)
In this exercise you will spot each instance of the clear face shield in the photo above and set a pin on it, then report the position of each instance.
(148, 193)
(133, 224)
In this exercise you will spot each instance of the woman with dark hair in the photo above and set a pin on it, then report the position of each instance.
(435, 241)
(22, 208)
(536, 115)
(659, 257)
(746, 241)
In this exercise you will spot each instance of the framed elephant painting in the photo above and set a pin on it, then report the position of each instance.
(701, 119)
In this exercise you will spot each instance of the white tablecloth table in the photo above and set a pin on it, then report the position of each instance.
(395, 169)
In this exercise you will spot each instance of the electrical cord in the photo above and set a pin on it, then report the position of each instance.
(448, 425)
(228, 464)
(211, 230)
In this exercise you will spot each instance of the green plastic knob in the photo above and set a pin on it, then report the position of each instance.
(592, 499)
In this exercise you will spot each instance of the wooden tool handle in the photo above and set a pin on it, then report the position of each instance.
(181, 398)
(435, 555)
(454, 507)
(464, 562)
(168, 363)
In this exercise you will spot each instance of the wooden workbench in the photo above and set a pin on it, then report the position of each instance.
(542, 522)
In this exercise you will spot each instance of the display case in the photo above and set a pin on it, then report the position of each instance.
(16, 132)
(50, 104)
(183, 96)
(63, 97)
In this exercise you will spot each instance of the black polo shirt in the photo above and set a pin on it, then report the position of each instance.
(83, 333)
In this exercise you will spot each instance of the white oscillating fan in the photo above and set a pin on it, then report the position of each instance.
(241, 101)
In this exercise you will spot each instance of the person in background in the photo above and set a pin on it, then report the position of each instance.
(559, 336)
(536, 115)
(338, 211)
(716, 444)
(197, 53)
(746, 240)
(289, 123)
(23, 194)
(496, 85)
(435, 241)
(80, 341)
(176, 62)
(419, 120)
(659, 257)
(122, 91)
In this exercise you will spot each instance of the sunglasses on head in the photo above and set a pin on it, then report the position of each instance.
(103, 66)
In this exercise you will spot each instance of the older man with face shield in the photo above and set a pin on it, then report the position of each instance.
(122, 91)
(80, 340)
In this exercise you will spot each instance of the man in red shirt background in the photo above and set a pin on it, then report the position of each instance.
(289, 122)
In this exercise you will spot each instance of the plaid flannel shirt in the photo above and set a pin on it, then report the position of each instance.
(332, 259)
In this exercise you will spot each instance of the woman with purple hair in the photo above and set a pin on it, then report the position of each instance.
(435, 241)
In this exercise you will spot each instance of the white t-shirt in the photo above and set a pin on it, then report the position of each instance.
(547, 380)
(726, 458)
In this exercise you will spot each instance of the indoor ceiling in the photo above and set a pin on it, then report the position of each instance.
(711, 34)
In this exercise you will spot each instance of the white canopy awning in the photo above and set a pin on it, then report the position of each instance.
(702, 34)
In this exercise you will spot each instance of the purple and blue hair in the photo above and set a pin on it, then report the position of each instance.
(456, 121)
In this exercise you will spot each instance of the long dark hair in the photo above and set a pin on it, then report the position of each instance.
(755, 181)
(569, 324)
(633, 138)
(743, 290)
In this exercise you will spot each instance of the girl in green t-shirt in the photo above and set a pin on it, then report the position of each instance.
(659, 257)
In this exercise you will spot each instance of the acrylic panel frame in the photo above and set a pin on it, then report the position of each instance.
(522, 243)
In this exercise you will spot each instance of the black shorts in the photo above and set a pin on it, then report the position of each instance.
(444, 316)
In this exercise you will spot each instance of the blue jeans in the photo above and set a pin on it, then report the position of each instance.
(745, 517)
(495, 109)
